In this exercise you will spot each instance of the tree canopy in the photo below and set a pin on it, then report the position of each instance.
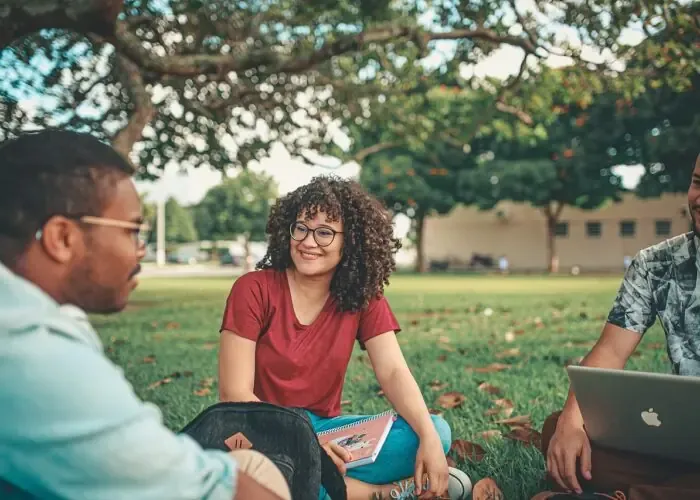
(179, 77)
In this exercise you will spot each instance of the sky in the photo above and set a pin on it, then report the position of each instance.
(189, 187)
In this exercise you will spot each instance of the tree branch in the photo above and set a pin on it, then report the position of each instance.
(364, 153)
(143, 111)
(275, 62)
(19, 19)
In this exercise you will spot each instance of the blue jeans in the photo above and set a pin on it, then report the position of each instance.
(397, 458)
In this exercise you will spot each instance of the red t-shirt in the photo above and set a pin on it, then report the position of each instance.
(299, 365)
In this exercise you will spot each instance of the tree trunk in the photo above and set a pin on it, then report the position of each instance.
(552, 214)
(142, 113)
(19, 19)
(421, 265)
(246, 255)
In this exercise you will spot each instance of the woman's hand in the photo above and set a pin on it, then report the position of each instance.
(338, 454)
(431, 462)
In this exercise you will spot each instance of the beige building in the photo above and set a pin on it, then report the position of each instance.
(595, 241)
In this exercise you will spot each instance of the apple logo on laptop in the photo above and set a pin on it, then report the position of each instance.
(651, 418)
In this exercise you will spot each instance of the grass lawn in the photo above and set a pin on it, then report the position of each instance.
(536, 326)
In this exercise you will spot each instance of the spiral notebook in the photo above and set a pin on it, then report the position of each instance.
(363, 439)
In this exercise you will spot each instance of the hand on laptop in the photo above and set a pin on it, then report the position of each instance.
(569, 444)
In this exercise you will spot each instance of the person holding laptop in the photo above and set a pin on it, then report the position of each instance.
(661, 282)
(71, 426)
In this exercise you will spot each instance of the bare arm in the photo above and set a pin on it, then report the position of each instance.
(398, 384)
(236, 368)
(612, 350)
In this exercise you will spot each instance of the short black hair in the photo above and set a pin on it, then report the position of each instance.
(52, 172)
(369, 245)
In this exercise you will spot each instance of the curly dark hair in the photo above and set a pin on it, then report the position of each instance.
(369, 245)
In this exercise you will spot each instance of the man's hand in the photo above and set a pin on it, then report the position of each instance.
(339, 455)
(569, 443)
(248, 488)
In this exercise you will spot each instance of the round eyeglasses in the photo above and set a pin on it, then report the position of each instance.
(323, 236)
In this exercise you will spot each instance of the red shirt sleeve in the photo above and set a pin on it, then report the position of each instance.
(245, 307)
(376, 319)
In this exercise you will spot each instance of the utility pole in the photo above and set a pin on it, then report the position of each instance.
(160, 228)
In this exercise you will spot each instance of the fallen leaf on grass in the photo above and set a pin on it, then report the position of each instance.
(493, 367)
(451, 462)
(508, 353)
(655, 345)
(380, 392)
(150, 359)
(442, 358)
(491, 389)
(207, 382)
(451, 400)
(519, 331)
(172, 325)
(414, 322)
(503, 407)
(158, 337)
(202, 392)
(487, 489)
(345, 402)
(519, 421)
(491, 434)
(526, 435)
(160, 382)
(208, 346)
(443, 339)
(466, 450)
(436, 385)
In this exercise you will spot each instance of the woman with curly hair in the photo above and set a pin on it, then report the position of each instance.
(289, 328)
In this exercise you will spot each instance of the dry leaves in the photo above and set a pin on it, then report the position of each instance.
(490, 434)
(503, 407)
(526, 435)
(345, 402)
(160, 382)
(436, 385)
(493, 367)
(491, 389)
(151, 358)
(655, 345)
(508, 353)
(466, 450)
(487, 489)
(208, 346)
(442, 358)
(205, 386)
(519, 421)
(172, 325)
(450, 400)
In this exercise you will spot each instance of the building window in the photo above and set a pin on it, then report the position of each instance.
(627, 228)
(593, 229)
(562, 229)
(663, 228)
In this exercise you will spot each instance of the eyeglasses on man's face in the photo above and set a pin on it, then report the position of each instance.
(323, 236)
(140, 231)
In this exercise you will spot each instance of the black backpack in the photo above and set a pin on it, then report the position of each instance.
(284, 435)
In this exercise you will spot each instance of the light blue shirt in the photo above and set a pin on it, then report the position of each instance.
(71, 426)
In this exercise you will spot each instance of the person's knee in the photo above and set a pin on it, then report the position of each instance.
(444, 431)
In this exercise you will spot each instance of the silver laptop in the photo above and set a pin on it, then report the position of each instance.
(650, 413)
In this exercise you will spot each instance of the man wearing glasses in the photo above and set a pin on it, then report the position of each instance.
(71, 238)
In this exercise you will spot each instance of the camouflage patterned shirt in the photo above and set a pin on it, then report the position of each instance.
(662, 281)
